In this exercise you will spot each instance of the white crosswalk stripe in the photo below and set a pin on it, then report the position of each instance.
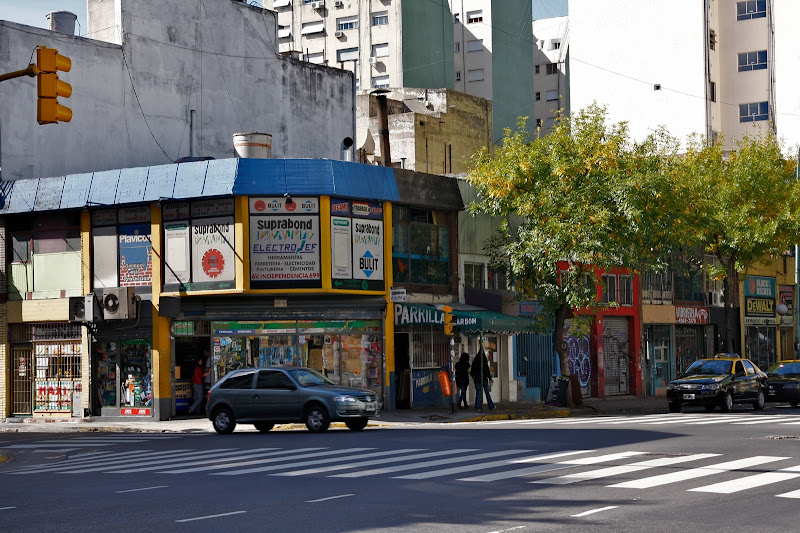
(698, 419)
(793, 494)
(694, 473)
(751, 482)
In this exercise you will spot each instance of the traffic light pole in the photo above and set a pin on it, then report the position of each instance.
(31, 71)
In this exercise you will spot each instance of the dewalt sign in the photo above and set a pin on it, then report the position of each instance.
(760, 307)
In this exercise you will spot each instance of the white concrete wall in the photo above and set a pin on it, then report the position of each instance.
(619, 49)
(465, 60)
(131, 103)
(787, 71)
(545, 31)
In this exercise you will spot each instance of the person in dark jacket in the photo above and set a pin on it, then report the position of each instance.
(482, 376)
(462, 380)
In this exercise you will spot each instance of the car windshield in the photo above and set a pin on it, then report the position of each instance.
(309, 378)
(709, 368)
(784, 369)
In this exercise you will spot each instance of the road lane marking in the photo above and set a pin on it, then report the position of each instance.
(685, 475)
(624, 469)
(593, 511)
(210, 516)
(143, 488)
(509, 529)
(380, 461)
(6, 508)
(751, 482)
(330, 498)
(765, 420)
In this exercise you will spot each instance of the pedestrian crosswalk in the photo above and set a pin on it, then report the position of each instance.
(615, 469)
(663, 420)
(64, 444)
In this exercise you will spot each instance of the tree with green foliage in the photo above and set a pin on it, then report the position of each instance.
(744, 206)
(587, 199)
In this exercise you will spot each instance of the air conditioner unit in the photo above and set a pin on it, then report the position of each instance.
(338, 4)
(316, 5)
(373, 60)
(84, 309)
(339, 34)
(119, 303)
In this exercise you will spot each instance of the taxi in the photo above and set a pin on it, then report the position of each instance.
(784, 382)
(724, 380)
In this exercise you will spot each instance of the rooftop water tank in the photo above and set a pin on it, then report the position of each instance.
(254, 145)
(62, 21)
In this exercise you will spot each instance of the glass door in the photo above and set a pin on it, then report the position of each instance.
(107, 355)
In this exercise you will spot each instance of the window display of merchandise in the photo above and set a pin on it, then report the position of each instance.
(136, 388)
(58, 375)
(107, 373)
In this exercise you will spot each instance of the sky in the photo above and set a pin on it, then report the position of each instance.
(34, 12)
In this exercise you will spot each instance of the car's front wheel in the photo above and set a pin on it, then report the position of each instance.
(758, 405)
(317, 419)
(224, 422)
(356, 424)
(263, 427)
(674, 407)
(727, 402)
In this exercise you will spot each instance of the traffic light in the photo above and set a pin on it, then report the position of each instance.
(48, 63)
(448, 319)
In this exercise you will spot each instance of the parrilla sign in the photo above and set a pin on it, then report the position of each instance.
(691, 315)
(407, 314)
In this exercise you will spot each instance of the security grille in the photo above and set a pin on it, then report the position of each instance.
(430, 347)
(616, 348)
(22, 384)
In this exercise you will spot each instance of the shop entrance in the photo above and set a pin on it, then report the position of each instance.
(659, 360)
(124, 378)
(402, 371)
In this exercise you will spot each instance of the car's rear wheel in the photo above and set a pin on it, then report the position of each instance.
(263, 427)
(317, 419)
(674, 407)
(727, 402)
(758, 405)
(356, 424)
(710, 408)
(224, 422)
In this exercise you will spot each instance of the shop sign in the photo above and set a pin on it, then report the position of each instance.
(341, 248)
(104, 217)
(212, 250)
(368, 210)
(760, 307)
(529, 308)
(175, 211)
(691, 314)
(397, 294)
(759, 286)
(133, 215)
(406, 314)
(135, 411)
(284, 251)
(786, 296)
(212, 208)
(340, 207)
(251, 328)
(135, 255)
(176, 252)
(284, 205)
(367, 249)
(761, 321)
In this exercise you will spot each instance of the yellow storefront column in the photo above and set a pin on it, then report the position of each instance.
(388, 322)
(162, 343)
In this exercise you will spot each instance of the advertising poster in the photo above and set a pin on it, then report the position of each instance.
(212, 244)
(368, 250)
(284, 251)
(135, 255)
(176, 252)
(341, 255)
(285, 205)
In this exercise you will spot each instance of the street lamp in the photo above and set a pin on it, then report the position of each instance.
(782, 311)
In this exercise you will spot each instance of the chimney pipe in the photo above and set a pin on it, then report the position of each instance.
(383, 127)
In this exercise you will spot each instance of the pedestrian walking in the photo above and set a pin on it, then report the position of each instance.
(462, 380)
(197, 386)
(482, 376)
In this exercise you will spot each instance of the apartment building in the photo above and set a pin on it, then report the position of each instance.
(712, 67)
(551, 92)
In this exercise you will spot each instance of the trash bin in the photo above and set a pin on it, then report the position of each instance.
(557, 392)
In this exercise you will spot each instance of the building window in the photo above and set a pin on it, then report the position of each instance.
(458, 47)
(552, 96)
(318, 58)
(497, 280)
(552, 68)
(617, 289)
(712, 40)
(752, 60)
(536, 69)
(753, 112)
(347, 54)
(284, 32)
(458, 75)
(712, 91)
(537, 96)
(457, 18)
(475, 46)
(313, 27)
(752, 9)
(473, 275)
(380, 50)
(541, 44)
(625, 290)
(555, 44)
(538, 123)
(475, 74)
(549, 123)
(474, 17)
(420, 246)
(347, 23)
(380, 82)
(380, 19)
(609, 289)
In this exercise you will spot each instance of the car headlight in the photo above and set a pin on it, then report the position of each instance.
(344, 399)
(673, 386)
(710, 386)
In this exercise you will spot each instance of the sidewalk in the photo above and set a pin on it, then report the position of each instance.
(504, 411)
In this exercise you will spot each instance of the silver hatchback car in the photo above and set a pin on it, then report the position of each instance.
(282, 395)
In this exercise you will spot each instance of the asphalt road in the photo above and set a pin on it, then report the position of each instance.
(685, 472)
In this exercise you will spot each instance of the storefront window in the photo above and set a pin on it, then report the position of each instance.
(420, 247)
(107, 374)
(136, 378)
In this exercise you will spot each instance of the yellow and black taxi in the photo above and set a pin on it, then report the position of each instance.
(722, 381)
(784, 382)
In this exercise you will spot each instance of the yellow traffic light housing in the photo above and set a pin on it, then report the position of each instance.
(448, 319)
(48, 63)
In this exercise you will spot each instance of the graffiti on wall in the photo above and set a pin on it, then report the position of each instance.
(579, 357)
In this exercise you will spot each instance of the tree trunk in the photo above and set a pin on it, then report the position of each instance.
(561, 347)
(731, 285)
